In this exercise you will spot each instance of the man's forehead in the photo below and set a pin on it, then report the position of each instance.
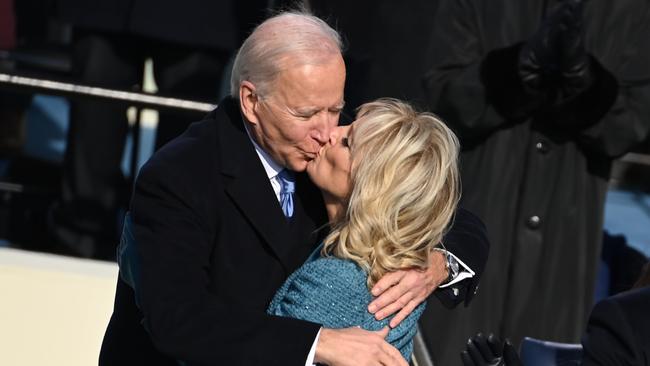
(310, 87)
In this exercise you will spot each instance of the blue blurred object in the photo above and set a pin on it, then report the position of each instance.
(603, 281)
(47, 126)
(628, 213)
(535, 352)
(4, 166)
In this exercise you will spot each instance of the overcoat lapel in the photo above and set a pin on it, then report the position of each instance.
(248, 186)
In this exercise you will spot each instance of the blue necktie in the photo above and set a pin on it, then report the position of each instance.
(287, 187)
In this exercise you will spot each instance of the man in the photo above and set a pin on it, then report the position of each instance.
(214, 243)
(543, 95)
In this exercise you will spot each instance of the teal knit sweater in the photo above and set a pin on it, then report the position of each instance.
(333, 292)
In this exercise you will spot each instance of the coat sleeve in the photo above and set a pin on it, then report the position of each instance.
(466, 239)
(185, 319)
(627, 122)
(475, 90)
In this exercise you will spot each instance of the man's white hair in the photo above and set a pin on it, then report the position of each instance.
(286, 40)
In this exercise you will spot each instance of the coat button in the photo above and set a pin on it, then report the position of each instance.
(533, 222)
(542, 147)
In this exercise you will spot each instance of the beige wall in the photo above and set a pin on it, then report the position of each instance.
(53, 309)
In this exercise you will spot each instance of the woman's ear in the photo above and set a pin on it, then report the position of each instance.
(248, 99)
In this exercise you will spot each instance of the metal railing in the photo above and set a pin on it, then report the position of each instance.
(21, 83)
(16, 82)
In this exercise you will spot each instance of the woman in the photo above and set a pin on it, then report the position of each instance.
(390, 186)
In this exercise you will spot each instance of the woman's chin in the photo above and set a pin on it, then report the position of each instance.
(312, 173)
(310, 169)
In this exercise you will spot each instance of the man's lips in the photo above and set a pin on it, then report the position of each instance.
(315, 154)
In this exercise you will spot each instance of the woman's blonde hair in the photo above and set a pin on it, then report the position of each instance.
(405, 188)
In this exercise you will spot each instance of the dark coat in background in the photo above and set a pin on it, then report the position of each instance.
(537, 181)
(198, 23)
(618, 332)
(383, 46)
(190, 43)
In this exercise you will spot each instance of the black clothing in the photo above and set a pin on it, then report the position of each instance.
(190, 44)
(383, 40)
(618, 332)
(196, 23)
(535, 170)
(215, 246)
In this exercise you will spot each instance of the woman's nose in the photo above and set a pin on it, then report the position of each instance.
(335, 135)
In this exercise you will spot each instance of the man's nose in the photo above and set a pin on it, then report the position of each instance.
(326, 126)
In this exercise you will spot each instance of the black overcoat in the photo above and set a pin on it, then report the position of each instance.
(618, 331)
(536, 177)
(215, 246)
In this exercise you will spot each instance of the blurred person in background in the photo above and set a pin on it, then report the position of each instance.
(543, 94)
(12, 106)
(384, 52)
(618, 333)
(190, 43)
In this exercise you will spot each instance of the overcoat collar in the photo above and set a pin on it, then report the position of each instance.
(248, 186)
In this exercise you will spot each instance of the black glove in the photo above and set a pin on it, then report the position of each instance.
(575, 62)
(539, 58)
(489, 352)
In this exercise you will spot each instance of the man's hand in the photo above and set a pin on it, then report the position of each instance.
(355, 346)
(404, 290)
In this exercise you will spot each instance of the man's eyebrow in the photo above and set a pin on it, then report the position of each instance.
(340, 105)
(306, 110)
(314, 110)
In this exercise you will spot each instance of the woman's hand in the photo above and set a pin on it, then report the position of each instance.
(404, 290)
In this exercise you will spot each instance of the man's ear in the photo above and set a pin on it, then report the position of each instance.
(248, 100)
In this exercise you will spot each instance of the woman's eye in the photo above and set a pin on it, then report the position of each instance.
(345, 142)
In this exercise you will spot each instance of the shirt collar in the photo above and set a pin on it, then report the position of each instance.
(271, 167)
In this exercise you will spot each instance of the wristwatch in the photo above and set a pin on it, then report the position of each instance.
(453, 268)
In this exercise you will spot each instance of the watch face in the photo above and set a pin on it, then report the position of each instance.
(454, 267)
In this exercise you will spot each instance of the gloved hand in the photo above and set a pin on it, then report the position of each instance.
(540, 56)
(575, 62)
(489, 351)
